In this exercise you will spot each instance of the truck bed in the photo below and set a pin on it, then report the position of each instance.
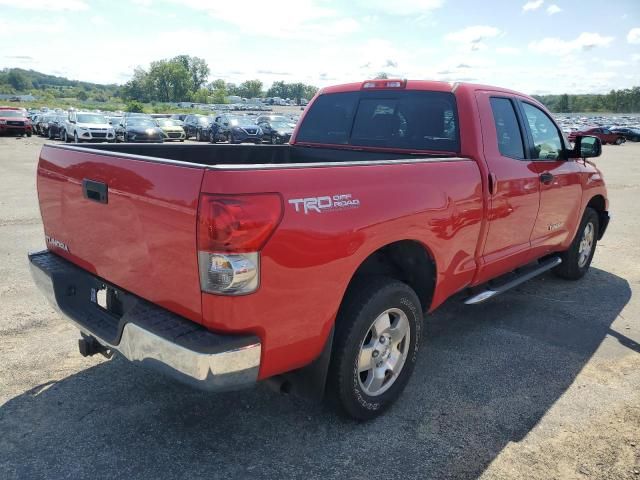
(237, 155)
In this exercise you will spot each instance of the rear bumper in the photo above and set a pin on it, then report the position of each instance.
(146, 333)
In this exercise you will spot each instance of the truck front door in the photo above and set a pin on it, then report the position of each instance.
(514, 186)
(560, 182)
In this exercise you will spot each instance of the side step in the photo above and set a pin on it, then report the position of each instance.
(521, 277)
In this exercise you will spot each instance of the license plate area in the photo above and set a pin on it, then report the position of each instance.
(108, 299)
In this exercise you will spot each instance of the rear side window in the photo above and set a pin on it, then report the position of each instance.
(408, 120)
(507, 128)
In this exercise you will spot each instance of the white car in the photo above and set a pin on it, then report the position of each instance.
(88, 127)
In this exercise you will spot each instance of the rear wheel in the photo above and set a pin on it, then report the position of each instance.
(618, 141)
(75, 137)
(577, 259)
(376, 341)
(65, 137)
(198, 136)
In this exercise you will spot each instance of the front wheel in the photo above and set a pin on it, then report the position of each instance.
(65, 137)
(618, 141)
(577, 259)
(375, 347)
(29, 134)
(198, 136)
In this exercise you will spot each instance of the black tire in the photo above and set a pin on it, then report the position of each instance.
(274, 140)
(29, 134)
(366, 301)
(51, 135)
(198, 136)
(573, 267)
(75, 137)
(618, 141)
(231, 138)
(65, 137)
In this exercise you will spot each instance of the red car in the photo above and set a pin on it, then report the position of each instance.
(310, 265)
(14, 121)
(604, 134)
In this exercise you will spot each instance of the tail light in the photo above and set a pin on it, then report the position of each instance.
(231, 232)
(384, 83)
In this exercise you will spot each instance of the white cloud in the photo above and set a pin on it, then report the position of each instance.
(532, 5)
(401, 7)
(614, 63)
(55, 5)
(472, 38)
(634, 36)
(292, 19)
(143, 3)
(557, 46)
(553, 9)
(508, 50)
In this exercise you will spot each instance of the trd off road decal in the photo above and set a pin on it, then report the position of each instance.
(327, 203)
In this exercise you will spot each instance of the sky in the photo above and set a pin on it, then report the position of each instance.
(533, 46)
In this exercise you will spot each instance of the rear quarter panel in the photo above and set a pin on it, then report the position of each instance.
(310, 259)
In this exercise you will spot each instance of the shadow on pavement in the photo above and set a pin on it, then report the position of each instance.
(486, 376)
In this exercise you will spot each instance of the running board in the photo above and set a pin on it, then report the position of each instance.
(519, 279)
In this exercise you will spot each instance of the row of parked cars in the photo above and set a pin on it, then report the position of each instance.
(233, 128)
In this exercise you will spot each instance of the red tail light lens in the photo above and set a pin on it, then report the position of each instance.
(237, 223)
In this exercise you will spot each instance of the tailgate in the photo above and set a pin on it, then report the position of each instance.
(140, 237)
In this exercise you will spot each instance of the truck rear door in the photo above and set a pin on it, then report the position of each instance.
(130, 221)
(514, 186)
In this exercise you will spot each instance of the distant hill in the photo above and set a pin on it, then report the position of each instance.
(38, 80)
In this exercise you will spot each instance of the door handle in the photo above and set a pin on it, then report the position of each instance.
(546, 178)
(96, 191)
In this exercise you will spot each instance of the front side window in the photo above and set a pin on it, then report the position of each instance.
(508, 131)
(546, 139)
(399, 119)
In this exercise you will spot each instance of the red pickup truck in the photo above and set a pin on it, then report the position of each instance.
(15, 121)
(311, 264)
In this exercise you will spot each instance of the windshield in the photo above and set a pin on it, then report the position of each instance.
(141, 122)
(281, 125)
(245, 121)
(91, 118)
(278, 119)
(166, 122)
(11, 113)
(407, 120)
(204, 120)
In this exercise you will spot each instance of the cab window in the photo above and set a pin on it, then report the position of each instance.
(546, 139)
(508, 131)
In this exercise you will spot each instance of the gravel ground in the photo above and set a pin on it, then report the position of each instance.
(540, 383)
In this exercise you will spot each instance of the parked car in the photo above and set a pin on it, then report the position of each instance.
(238, 129)
(630, 134)
(43, 124)
(179, 116)
(171, 130)
(192, 122)
(56, 126)
(115, 121)
(87, 127)
(277, 129)
(139, 129)
(604, 134)
(311, 265)
(14, 121)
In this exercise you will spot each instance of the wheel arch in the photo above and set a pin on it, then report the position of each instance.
(599, 204)
(408, 261)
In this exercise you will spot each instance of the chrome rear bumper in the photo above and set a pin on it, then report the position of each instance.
(143, 332)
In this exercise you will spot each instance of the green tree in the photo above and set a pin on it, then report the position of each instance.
(18, 80)
(197, 68)
(563, 103)
(218, 84)
(135, 106)
(201, 96)
(82, 95)
(168, 81)
(250, 88)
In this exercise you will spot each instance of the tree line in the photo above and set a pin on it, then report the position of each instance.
(616, 101)
(184, 78)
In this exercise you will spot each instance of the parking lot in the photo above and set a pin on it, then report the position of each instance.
(542, 382)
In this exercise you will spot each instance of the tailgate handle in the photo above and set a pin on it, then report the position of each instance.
(96, 191)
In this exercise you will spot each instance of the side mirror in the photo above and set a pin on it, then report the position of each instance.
(72, 121)
(586, 147)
